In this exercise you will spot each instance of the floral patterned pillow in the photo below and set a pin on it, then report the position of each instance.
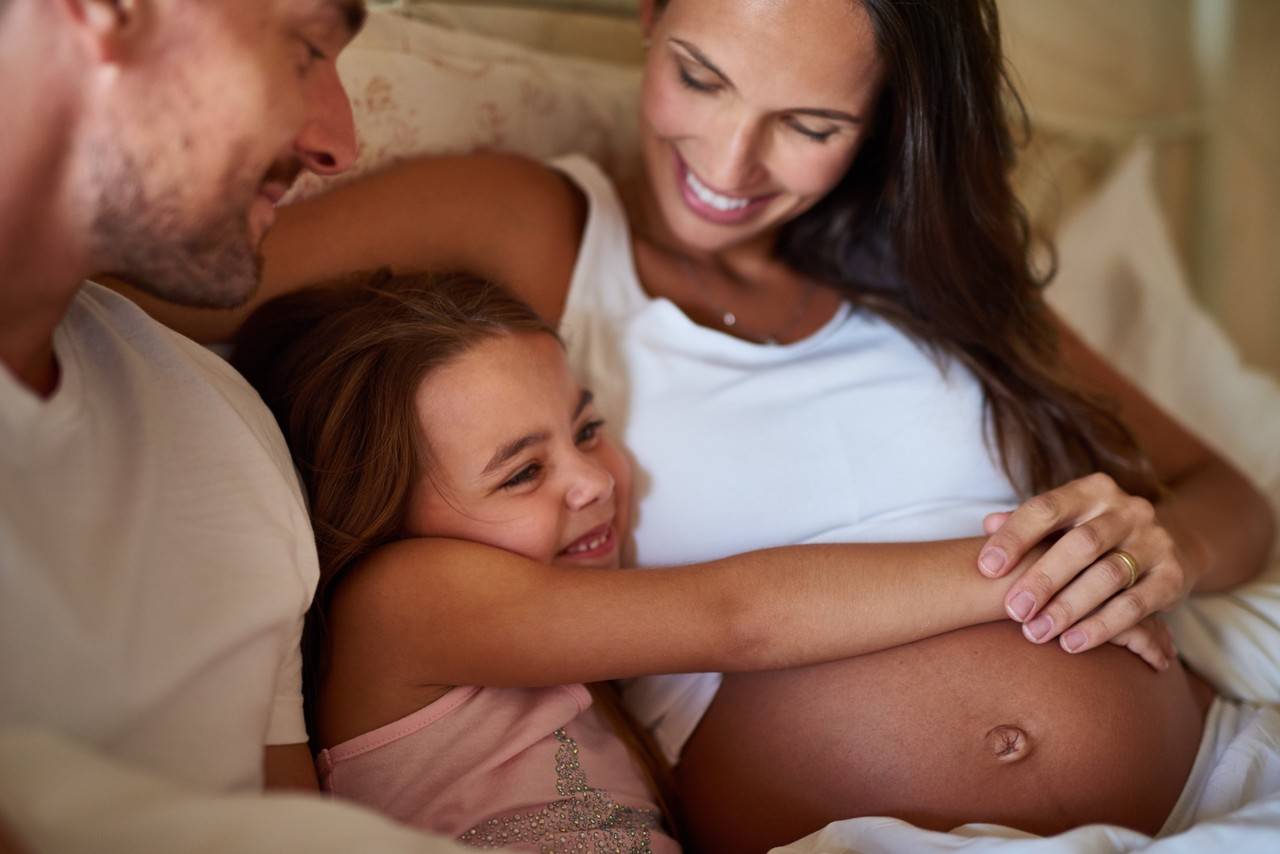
(416, 88)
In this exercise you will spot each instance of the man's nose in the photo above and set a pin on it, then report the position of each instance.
(327, 142)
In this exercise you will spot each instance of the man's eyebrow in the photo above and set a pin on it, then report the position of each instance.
(702, 59)
(515, 446)
(583, 402)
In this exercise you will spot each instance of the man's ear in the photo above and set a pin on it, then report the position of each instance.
(108, 28)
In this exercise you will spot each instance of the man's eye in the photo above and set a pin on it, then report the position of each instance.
(310, 54)
(525, 475)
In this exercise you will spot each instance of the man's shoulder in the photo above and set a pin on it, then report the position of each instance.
(177, 376)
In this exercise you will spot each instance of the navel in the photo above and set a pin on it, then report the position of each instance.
(1008, 743)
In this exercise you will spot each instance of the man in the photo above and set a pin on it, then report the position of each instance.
(155, 556)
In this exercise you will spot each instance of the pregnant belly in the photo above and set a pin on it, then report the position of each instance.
(974, 725)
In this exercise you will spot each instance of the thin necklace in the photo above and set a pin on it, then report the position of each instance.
(729, 318)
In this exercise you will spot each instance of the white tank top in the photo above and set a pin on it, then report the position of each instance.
(853, 434)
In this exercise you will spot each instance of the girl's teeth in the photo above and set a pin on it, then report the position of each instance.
(594, 543)
(711, 197)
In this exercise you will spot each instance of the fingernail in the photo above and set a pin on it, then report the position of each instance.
(992, 560)
(1021, 605)
(1039, 627)
(1073, 640)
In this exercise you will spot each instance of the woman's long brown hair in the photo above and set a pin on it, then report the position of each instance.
(339, 367)
(926, 231)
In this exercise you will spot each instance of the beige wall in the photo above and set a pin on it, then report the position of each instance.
(1118, 67)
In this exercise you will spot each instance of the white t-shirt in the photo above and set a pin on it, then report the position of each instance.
(853, 434)
(156, 558)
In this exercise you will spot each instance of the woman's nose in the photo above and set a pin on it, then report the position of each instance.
(589, 482)
(737, 154)
(327, 142)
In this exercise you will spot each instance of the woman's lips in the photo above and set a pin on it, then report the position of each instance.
(598, 542)
(713, 206)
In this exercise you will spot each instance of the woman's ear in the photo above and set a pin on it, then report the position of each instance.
(648, 14)
(107, 27)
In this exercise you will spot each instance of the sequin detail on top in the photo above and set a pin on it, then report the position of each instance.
(586, 821)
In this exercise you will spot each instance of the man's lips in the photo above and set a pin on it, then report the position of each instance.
(273, 191)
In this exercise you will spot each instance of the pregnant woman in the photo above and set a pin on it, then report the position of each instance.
(813, 319)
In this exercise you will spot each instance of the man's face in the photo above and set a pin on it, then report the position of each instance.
(206, 128)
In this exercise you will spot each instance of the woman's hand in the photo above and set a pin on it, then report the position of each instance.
(1081, 591)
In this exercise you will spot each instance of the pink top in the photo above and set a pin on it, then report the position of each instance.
(531, 769)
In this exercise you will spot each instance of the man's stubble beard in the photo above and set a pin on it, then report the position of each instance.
(148, 239)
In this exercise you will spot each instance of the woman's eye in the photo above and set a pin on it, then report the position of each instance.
(590, 431)
(810, 133)
(525, 475)
(691, 82)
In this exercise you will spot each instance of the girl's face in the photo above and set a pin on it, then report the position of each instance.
(752, 111)
(519, 458)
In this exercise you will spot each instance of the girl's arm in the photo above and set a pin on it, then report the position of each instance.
(500, 216)
(1210, 531)
(446, 612)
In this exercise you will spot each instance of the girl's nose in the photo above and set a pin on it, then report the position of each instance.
(589, 482)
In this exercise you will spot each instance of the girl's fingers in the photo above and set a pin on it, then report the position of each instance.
(993, 521)
(1151, 641)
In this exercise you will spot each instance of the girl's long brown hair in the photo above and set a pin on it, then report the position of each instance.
(339, 367)
(926, 231)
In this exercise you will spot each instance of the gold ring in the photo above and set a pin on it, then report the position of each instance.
(1130, 563)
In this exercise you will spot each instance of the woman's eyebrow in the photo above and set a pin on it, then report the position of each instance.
(817, 112)
(701, 58)
(583, 402)
(834, 115)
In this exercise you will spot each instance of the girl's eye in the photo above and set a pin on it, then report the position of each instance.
(590, 431)
(690, 82)
(810, 133)
(526, 475)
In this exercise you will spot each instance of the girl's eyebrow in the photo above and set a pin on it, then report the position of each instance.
(584, 400)
(817, 112)
(515, 446)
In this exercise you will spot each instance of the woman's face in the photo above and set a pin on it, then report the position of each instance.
(518, 457)
(752, 111)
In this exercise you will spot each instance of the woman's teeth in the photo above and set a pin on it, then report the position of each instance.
(710, 197)
(589, 545)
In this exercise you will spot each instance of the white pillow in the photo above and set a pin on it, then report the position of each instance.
(1121, 287)
(419, 89)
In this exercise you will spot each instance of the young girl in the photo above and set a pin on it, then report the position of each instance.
(442, 689)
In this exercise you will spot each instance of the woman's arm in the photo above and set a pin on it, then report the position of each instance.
(500, 216)
(1210, 531)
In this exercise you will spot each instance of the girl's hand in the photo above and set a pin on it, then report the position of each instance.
(1081, 591)
(1151, 641)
